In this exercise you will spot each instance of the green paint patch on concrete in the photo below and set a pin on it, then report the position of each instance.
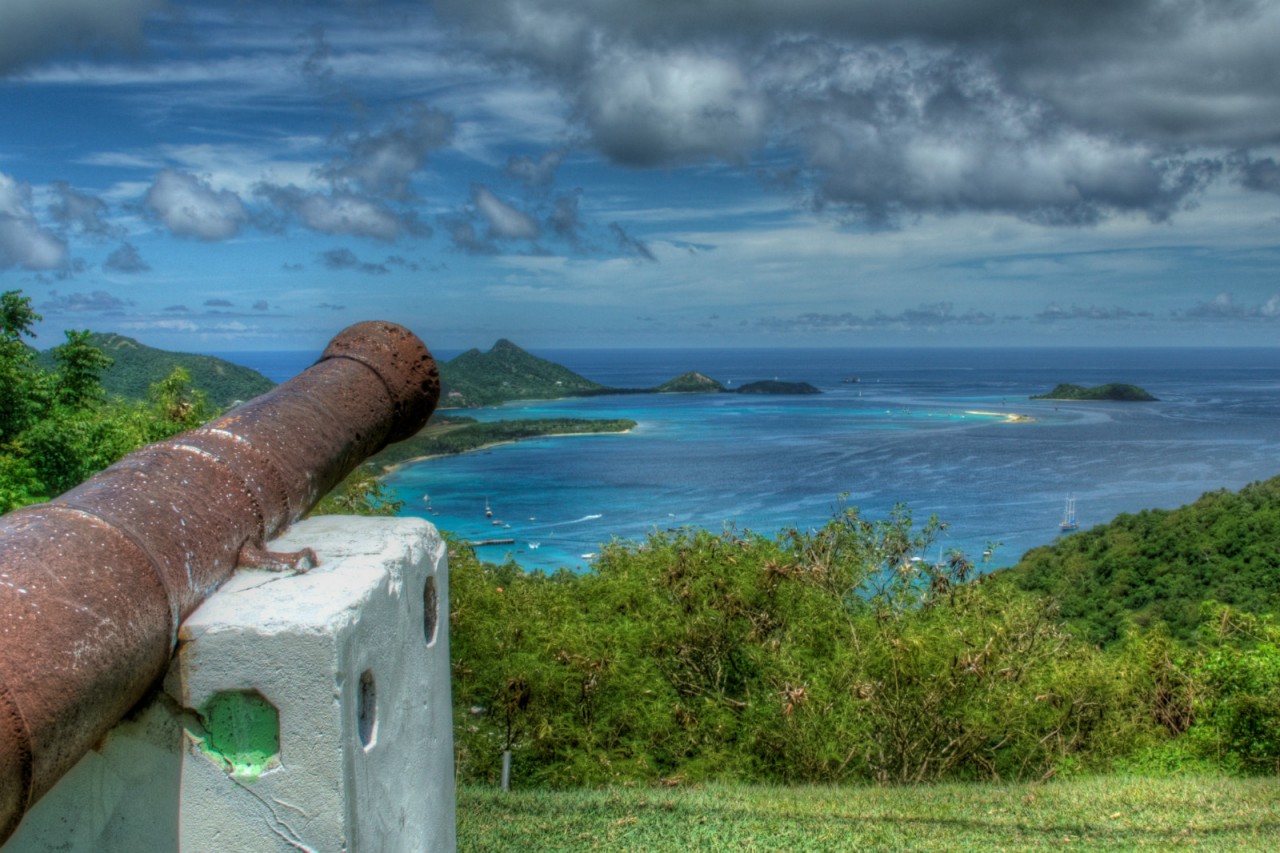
(242, 732)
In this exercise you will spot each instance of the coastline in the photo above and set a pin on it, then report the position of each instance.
(395, 466)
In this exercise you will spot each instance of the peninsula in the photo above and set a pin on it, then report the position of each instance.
(453, 435)
(1113, 391)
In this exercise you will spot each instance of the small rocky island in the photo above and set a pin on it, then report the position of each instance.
(692, 382)
(1113, 391)
(773, 386)
(699, 383)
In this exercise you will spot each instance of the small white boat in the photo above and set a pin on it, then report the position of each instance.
(1069, 521)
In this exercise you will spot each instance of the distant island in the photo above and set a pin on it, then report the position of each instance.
(690, 383)
(506, 372)
(1113, 391)
(773, 386)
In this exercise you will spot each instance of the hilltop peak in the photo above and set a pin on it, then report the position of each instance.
(505, 346)
(507, 372)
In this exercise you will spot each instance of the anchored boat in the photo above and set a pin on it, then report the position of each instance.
(1069, 521)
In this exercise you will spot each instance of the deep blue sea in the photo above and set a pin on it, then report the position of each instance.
(903, 433)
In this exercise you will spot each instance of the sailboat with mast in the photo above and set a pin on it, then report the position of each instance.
(1069, 521)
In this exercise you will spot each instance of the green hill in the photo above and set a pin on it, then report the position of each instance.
(135, 367)
(691, 382)
(506, 372)
(1159, 565)
(1113, 391)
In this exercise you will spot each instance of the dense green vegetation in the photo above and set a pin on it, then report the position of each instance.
(135, 367)
(1115, 813)
(1113, 391)
(838, 655)
(59, 426)
(1159, 566)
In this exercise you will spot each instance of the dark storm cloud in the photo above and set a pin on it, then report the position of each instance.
(32, 30)
(126, 259)
(1058, 112)
(1259, 174)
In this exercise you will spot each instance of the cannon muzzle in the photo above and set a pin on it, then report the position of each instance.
(94, 584)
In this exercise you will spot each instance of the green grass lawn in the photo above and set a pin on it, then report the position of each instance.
(1098, 813)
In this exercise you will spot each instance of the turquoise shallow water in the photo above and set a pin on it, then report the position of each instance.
(901, 434)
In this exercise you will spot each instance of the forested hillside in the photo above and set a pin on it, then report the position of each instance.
(506, 372)
(59, 426)
(135, 367)
(1158, 566)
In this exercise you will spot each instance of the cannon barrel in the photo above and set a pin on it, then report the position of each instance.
(94, 584)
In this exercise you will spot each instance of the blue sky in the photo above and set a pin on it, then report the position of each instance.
(231, 175)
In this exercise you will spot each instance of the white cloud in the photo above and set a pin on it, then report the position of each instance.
(505, 222)
(23, 242)
(383, 162)
(343, 213)
(189, 207)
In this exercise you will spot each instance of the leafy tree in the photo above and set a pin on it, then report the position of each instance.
(23, 388)
(78, 381)
(56, 429)
(177, 404)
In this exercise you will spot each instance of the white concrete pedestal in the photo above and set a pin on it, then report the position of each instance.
(304, 712)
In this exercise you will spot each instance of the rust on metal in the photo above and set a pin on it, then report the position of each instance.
(95, 583)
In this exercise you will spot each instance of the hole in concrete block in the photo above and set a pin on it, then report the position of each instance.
(430, 604)
(242, 732)
(367, 709)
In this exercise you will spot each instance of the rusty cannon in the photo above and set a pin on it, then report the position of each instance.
(94, 584)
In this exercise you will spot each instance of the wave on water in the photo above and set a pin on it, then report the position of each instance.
(567, 523)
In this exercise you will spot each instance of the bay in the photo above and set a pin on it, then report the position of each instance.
(906, 432)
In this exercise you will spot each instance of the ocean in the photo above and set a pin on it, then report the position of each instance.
(908, 431)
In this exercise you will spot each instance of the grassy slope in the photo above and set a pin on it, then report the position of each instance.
(1098, 813)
